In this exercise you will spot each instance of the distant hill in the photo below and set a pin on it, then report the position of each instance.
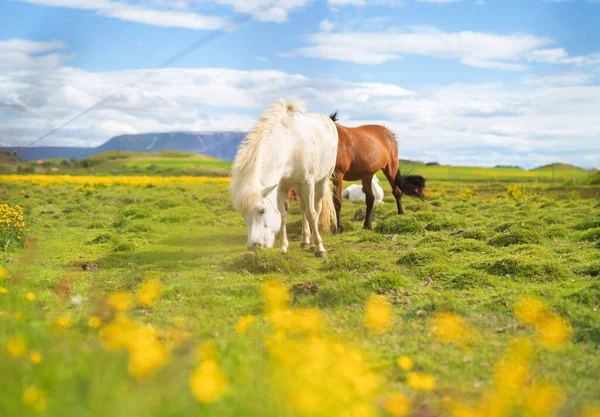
(558, 165)
(220, 145)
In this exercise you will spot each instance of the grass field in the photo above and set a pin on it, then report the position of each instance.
(181, 163)
(473, 250)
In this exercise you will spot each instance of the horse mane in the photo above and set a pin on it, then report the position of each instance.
(334, 116)
(244, 184)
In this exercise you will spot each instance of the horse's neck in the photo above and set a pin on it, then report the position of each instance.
(271, 162)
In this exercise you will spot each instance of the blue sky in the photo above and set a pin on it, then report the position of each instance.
(478, 82)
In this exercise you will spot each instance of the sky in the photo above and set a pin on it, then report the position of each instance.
(461, 82)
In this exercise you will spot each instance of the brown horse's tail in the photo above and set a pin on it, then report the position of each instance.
(411, 185)
(327, 208)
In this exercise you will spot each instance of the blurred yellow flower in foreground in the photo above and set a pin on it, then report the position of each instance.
(452, 328)
(396, 405)
(3, 290)
(591, 411)
(120, 301)
(543, 400)
(30, 296)
(148, 292)
(94, 322)
(422, 382)
(208, 382)
(552, 330)
(34, 398)
(405, 363)
(35, 357)
(179, 322)
(530, 310)
(16, 346)
(146, 354)
(276, 295)
(64, 322)
(243, 323)
(207, 350)
(378, 314)
(3, 273)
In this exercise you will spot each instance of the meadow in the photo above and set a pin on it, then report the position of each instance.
(137, 297)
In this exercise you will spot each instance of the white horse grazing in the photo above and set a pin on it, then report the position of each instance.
(354, 192)
(287, 148)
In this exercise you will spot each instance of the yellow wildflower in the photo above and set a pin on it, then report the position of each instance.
(3, 273)
(3, 290)
(396, 405)
(422, 382)
(18, 315)
(3, 313)
(207, 350)
(530, 311)
(30, 296)
(543, 400)
(120, 301)
(275, 294)
(378, 314)
(34, 398)
(64, 321)
(459, 409)
(16, 346)
(117, 334)
(405, 363)
(179, 322)
(148, 292)
(243, 323)
(94, 322)
(554, 332)
(35, 357)
(208, 382)
(590, 411)
(451, 328)
(146, 354)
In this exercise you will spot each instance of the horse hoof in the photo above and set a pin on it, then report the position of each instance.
(305, 246)
(321, 255)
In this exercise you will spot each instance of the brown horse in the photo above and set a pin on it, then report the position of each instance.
(362, 151)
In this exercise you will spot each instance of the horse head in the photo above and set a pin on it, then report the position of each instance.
(263, 218)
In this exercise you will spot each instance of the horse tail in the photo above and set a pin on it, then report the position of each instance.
(327, 209)
(411, 185)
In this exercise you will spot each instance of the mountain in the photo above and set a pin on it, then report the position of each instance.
(220, 145)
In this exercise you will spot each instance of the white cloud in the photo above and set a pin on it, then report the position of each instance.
(266, 10)
(341, 3)
(326, 26)
(560, 56)
(559, 80)
(183, 13)
(539, 121)
(19, 54)
(477, 49)
(141, 14)
(438, 1)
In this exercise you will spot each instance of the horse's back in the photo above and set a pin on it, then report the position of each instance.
(363, 150)
(315, 143)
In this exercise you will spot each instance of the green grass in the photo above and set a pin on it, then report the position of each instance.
(475, 257)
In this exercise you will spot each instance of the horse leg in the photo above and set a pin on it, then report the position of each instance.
(305, 227)
(370, 199)
(338, 179)
(282, 205)
(312, 194)
(391, 171)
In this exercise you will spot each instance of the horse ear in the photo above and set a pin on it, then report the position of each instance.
(268, 190)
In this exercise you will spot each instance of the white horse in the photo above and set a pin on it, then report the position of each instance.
(287, 148)
(354, 192)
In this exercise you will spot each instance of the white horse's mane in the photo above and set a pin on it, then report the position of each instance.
(244, 186)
